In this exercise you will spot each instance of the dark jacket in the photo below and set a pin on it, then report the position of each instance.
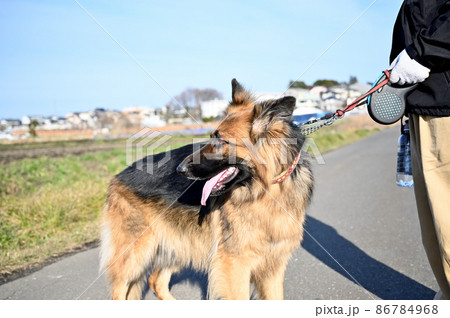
(423, 29)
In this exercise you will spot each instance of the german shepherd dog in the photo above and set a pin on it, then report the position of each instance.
(248, 224)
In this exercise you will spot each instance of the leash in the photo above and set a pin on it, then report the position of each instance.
(315, 124)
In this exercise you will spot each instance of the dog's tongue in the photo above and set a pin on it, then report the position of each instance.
(207, 188)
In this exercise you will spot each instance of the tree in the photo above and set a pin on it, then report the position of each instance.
(208, 119)
(353, 80)
(191, 100)
(326, 83)
(297, 84)
(32, 128)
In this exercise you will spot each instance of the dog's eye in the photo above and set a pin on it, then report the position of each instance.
(215, 135)
(219, 141)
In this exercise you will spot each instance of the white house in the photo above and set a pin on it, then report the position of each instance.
(214, 108)
(304, 98)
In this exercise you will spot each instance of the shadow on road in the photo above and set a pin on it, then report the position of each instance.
(188, 275)
(194, 278)
(376, 277)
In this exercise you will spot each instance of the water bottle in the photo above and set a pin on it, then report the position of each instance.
(404, 169)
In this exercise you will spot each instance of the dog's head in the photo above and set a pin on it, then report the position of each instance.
(255, 141)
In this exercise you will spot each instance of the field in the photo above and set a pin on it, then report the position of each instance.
(52, 194)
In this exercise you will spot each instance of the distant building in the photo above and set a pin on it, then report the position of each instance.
(144, 116)
(54, 123)
(360, 88)
(331, 103)
(7, 123)
(303, 97)
(74, 121)
(338, 96)
(214, 108)
(26, 120)
(318, 91)
(7, 126)
(6, 136)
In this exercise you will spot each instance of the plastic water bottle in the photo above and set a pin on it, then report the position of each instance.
(404, 169)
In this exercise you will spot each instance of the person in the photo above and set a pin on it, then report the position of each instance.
(421, 54)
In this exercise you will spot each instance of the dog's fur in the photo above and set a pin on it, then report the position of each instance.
(247, 231)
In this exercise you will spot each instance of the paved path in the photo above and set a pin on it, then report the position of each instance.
(362, 240)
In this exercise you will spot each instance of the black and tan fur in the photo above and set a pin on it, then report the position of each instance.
(244, 235)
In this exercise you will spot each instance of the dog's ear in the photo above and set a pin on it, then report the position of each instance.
(269, 113)
(236, 88)
(238, 93)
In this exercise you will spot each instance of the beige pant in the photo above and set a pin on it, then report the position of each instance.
(430, 154)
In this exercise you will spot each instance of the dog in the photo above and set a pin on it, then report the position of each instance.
(233, 207)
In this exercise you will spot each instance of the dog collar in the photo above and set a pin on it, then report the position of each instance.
(286, 173)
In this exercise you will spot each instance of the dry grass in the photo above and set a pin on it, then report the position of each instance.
(49, 205)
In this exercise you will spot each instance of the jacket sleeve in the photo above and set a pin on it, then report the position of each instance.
(431, 47)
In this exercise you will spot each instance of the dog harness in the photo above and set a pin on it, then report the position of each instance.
(286, 173)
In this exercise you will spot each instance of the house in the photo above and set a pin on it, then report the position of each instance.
(331, 103)
(144, 116)
(26, 120)
(74, 121)
(318, 90)
(6, 135)
(6, 127)
(9, 123)
(303, 97)
(54, 123)
(88, 119)
(214, 108)
(338, 96)
(84, 120)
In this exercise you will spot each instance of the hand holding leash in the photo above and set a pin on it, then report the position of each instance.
(405, 70)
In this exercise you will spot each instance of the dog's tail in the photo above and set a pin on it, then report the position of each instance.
(106, 243)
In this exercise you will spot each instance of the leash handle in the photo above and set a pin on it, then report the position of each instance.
(359, 101)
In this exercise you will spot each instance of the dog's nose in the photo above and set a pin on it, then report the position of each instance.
(182, 169)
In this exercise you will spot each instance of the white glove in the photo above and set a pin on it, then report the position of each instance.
(405, 70)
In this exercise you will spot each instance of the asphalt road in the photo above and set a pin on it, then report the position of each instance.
(362, 241)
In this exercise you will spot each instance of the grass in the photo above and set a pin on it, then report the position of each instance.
(49, 206)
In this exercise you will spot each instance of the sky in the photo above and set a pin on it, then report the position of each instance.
(55, 59)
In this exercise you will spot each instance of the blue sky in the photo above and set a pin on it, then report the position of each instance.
(54, 59)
